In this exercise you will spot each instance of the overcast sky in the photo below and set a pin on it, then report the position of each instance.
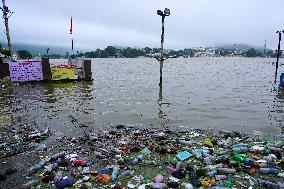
(134, 23)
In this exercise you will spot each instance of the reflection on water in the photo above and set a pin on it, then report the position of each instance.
(221, 93)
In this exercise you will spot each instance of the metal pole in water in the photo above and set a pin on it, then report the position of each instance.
(278, 55)
(162, 52)
(161, 59)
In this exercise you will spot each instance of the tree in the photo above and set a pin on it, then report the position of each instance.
(110, 51)
(252, 53)
(4, 51)
(24, 54)
(147, 50)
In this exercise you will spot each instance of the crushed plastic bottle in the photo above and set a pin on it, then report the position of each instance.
(226, 171)
(30, 184)
(159, 178)
(115, 171)
(268, 170)
(41, 147)
(212, 173)
(137, 159)
(157, 185)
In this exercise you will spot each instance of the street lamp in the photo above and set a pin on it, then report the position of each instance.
(163, 14)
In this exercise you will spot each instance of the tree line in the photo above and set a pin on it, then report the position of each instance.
(113, 52)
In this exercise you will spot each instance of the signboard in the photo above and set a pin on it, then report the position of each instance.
(25, 71)
(64, 72)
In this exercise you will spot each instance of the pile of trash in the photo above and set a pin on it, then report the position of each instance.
(128, 157)
(15, 141)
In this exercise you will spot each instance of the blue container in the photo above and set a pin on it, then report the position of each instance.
(281, 82)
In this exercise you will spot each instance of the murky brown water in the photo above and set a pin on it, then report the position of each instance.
(221, 93)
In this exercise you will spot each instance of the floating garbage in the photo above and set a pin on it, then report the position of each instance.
(126, 156)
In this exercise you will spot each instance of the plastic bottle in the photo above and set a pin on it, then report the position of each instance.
(221, 177)
(137, 159)
(58, 155)
(79, 162)
(185, 142)
(159, 178)
(257, 149)
(268, 171)
(188, 186)
(198, 154)
(158, 185)
(278, 144)
(266, 151)
(229, 183)
(43, 137)
(275, 149)
(238, 157)
(57, 177)
(38, 166)
(64, 183)
(106, 170)
(115, 171)
(146, 151)
(170, 168)
(30, 184)
(53, 166)
(127, 173)
(271, 158)
(240, 150)
(250, 163)
(207, 161)
(226, 171)
(212, 173)
(220, 183)
(41, 147)
(268, 184)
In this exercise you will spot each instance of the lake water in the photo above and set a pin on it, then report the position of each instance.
(218, 93)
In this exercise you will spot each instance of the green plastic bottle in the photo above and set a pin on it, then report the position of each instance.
(238, 157)
(266, 151)
(43, 137)
(229, 183)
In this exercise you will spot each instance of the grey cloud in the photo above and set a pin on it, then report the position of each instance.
(98, 23)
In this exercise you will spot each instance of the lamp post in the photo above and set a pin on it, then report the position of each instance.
(163, 14)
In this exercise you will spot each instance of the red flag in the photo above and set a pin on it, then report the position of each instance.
(71, 27)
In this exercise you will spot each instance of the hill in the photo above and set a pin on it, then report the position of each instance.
(41, 49)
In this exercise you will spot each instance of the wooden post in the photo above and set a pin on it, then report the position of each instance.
(5, 16)
(278, 55)
(87, 66)
(46, 71)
